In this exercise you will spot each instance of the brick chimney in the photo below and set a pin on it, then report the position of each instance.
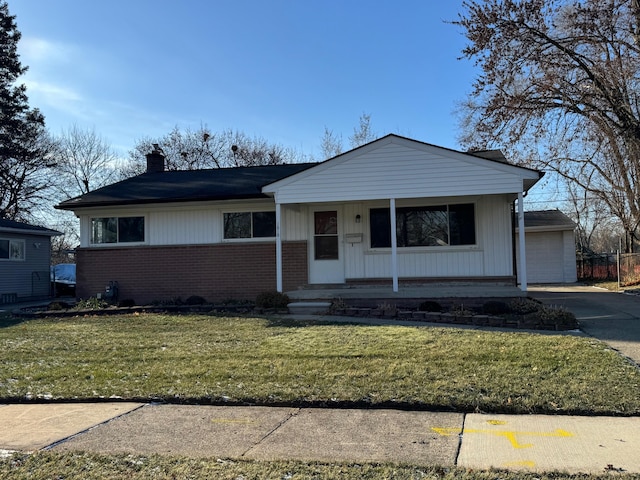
(155, 160)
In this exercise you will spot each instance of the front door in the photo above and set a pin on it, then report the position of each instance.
(325, 265)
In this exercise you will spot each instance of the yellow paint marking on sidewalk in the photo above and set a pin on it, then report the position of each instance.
(522, 463)
(496, 422)
(244, 421)
(446, 432)
(509, 435)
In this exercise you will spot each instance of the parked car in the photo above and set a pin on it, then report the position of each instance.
(63, 279)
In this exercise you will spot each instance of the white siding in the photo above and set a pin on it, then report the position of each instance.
(494, 229)
(399, 170)
(188, 225)
(491, 256)
(184, 227)
(294, 222)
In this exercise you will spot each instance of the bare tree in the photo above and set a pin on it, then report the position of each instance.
(591, 215)
(331, 144)
(559, 90)
(200, 149)
(85, 161)
(363, 133)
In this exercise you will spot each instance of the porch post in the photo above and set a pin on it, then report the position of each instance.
(278, 250)
(523, 253)
(394, 244)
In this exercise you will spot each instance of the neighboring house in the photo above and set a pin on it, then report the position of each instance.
(234, 233)
(550, 247)
(25, 259)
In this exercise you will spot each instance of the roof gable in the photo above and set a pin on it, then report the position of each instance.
(399, 167)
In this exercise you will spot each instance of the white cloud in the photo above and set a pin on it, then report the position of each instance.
(47, 96)
(40, 51)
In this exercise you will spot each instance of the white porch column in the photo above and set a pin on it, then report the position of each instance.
(394, 244)
(278, 250)
(523, 253)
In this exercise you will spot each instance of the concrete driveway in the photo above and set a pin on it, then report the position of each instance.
(611, 317)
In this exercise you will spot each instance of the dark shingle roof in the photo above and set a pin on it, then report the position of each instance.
(187, 185)
(547, 218)
(13, 226)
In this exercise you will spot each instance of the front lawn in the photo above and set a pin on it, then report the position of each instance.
(209, 359)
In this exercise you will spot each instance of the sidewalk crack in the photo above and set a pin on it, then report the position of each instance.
(289, 416)
(464, 419)
(92, 427)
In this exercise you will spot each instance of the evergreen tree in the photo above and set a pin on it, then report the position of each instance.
(24, 147)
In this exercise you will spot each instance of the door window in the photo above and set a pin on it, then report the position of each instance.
(326, 235)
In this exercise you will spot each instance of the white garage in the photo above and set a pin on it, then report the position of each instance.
(550, 247)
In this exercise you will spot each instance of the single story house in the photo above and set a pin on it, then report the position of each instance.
(233, 233)
(550, 247)
(25, 258)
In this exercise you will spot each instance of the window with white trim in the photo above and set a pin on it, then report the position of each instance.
(429, 226)
(117, 230)
(249, 225)
(12, 249)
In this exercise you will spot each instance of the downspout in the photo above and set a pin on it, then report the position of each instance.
(523, 253)
(394, 244)
(278, 249)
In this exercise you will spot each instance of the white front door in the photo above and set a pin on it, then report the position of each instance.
(325, 255)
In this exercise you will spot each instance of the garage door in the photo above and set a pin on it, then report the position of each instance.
(545, 257)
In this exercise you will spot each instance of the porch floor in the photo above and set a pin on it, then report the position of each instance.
(427, 291)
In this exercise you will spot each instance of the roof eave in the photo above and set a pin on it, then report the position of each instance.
(27, 231)
(151, 201)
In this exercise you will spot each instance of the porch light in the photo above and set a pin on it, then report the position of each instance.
(358, 218)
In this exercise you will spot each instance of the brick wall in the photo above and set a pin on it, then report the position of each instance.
(238, 271)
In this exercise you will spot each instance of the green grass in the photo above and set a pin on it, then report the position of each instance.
(85, 466)
(208, 359)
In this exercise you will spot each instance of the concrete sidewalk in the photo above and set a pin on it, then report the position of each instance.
(528, 442)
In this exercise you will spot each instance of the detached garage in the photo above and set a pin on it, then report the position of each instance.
(550, 246)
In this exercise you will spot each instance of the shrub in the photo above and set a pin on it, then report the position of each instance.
(195, 300)
(522, 306)
(91, 304)
(550, 314)
(430, 306)
(127, 303)
(272, 300)
(495, 307)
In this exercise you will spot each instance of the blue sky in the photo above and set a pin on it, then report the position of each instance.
(278, 69)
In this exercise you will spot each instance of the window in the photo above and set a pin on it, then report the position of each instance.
(439, 225)
(117, 230)
(249, 225)
(11, 249)
(325, 235)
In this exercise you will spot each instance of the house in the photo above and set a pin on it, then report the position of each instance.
(550, 247)
(234, 233)
(25, 257)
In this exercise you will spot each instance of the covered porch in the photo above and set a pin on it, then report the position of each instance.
(408, 295)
